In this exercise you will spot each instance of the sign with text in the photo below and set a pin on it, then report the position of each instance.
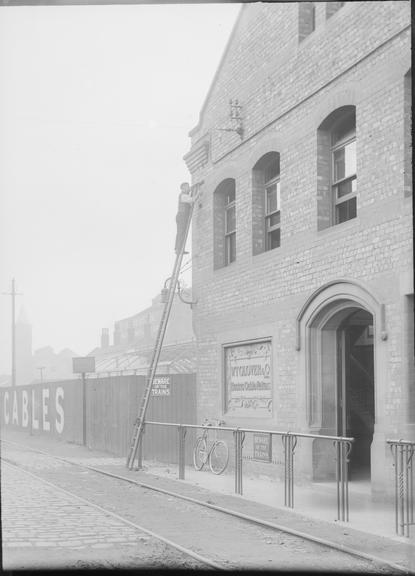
(248, 379)
(161, 386)
(83, 364)
(263, 447)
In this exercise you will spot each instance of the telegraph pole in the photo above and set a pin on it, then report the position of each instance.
(13, 294)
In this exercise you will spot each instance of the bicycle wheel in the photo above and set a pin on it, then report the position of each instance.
(200, 453)
(218, 457)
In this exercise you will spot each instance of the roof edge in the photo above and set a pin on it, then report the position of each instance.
(218, 69)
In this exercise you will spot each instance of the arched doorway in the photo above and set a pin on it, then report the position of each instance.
(355, 388)
(341, 397)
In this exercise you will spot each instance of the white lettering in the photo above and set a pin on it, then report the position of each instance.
(35, 423)
(45, 395)
(59, 423)
(15, 416)
(25, 412)
(6, 407)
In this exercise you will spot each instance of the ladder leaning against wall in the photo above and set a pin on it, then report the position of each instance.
(139, 422)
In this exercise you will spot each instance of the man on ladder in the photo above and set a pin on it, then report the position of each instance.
(183, 219)
(183, 213)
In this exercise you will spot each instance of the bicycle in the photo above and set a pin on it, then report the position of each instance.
(217, 454)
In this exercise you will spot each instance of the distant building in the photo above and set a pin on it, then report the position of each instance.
(141, 329)
(134, 339)
(50, 365)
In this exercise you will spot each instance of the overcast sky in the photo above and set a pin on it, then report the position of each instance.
(96, 103)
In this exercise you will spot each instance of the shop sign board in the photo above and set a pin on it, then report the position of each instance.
(161, 386)
(248, 379)
(262, 447)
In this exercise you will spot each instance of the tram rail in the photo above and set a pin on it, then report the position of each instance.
(227, 511)
(198, 557)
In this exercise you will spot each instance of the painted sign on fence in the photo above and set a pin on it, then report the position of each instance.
(248, 382)
(37, 408)
(161, 386)
(262, 447)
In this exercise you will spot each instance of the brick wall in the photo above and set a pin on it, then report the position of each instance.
(359, 57)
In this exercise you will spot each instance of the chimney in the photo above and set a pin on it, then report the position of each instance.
(105, 338)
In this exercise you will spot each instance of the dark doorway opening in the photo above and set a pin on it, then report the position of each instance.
(355, 389)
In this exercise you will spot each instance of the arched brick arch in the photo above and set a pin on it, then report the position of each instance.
(320, 323)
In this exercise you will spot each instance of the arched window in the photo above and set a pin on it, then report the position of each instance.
(336, 168)
(266, 203)
(224, 223)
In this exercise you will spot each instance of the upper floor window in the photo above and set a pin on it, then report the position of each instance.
(224, 223)
(230, 226)
(344, 169)
(336, 168)
(266, 218)
(272, 213)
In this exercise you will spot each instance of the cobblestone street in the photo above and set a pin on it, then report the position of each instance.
(43, 527)
(57, 514)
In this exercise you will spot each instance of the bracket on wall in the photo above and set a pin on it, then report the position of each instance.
(236, 118)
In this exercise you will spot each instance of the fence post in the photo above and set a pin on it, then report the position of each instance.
(403, 453)
(239, 438)
(182, 454)
(289, 442)
(342, 449)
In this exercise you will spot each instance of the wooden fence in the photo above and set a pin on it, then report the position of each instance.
(56, 409)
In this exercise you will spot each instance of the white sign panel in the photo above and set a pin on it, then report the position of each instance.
(248, 379)
(161, 386)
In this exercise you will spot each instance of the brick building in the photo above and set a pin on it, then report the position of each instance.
(134, 339)
(302, 235)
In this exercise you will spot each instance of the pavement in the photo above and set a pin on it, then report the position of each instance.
(371, 527)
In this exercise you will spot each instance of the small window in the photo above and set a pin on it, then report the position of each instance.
(272, 214)
(336, 168)
(344, 181)
(230, 227)
(224, 224)
(266, 216)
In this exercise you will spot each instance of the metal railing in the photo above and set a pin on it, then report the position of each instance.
(342, 448)
(402, 453)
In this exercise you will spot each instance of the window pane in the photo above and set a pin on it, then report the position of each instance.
(273, 220)
(230, 248)
(338, 164)
(346, 211)
(271, 198)
(230, 195)
(350, 159)
(230, 219)
(345, 129)
(347, 187)
(273, 239)
(344, 161)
